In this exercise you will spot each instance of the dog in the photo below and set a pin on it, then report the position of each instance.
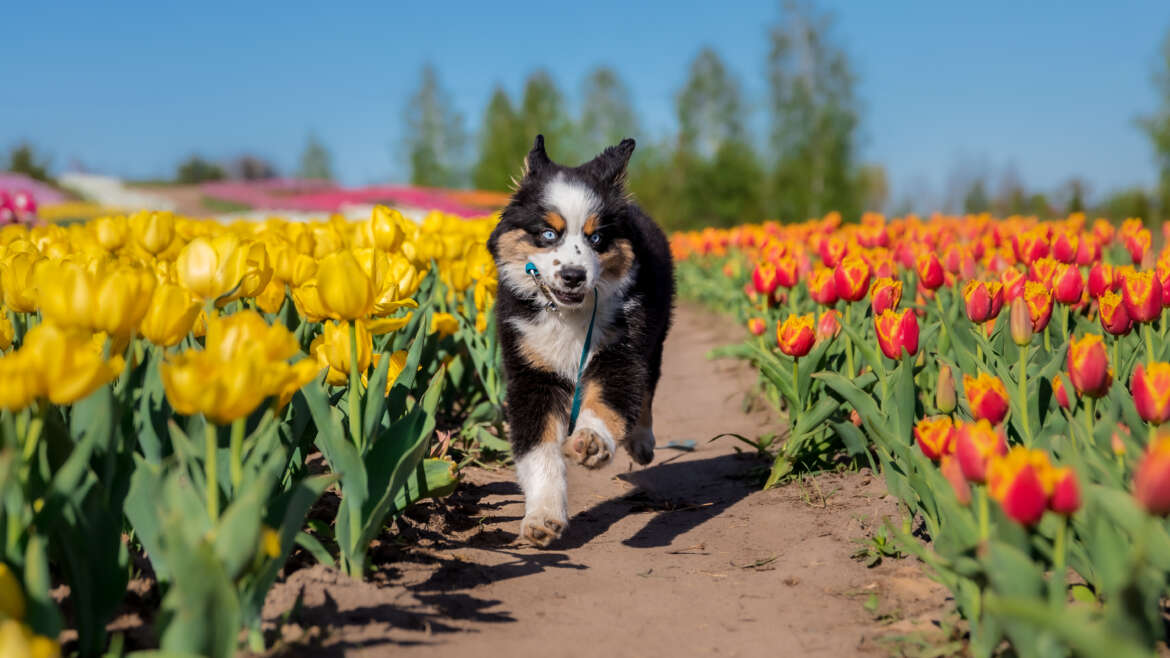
(578, 258)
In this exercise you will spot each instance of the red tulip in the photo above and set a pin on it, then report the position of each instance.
(1138, 244)
(786, 271)
(1059, 391)
(1066, 492)
(757, 326)
(1088, 366)
(1114, 317)
(1039, 301)
(795, 335)
(953, 472)
(935, 436)
(822, 287)
(829, 324)
(1151, 391)
(897, 332)
(1064, 246)
(1043, 271)
(1151, 482)
(930, 270)
(1101, 279)
(831, 250)
(987, 397)
(983, 300)
(852, 278)
(1068, 284)
(1142, 293)
(765, 278)
(1016, 481)
(975, 445)
(1013, 283)
(885, 295)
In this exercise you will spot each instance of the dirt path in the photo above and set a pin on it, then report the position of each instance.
(684, 557)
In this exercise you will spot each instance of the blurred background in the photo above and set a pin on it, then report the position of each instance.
(742, 111)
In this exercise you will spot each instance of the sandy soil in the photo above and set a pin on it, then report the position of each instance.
(684, 557)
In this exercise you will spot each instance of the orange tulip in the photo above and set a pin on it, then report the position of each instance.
(1142, 293)
(1088, 366)
(1151, 481)
(896, 332)
(935, 436)
(1151, 391)
(1017, 481)
(987, 397)
(852, 278)
(885, 295)
(795, 335)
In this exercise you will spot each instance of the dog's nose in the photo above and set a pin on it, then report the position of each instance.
(572, 276)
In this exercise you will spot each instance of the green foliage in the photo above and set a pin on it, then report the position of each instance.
(316, 163)
(435, 135)
(607, 115)
(502, 145)
(1156, 126)
(196, 170)
(23, 159)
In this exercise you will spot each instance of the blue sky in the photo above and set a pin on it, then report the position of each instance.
(1048, 88)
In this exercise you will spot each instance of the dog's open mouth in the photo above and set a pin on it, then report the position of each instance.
(569, 298)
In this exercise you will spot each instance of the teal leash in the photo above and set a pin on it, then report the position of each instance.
(578, 391)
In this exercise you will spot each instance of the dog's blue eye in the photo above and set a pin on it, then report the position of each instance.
(595, 238)
(549, 235)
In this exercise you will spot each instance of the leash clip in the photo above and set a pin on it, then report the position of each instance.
(531, 270)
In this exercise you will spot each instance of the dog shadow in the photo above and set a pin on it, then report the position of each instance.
(680, 494)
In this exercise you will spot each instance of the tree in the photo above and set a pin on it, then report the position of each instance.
(1074, 193)
(709, 107)
(976, 201)
(316, 163)
(542, 112)
(435, 135)
(608, 114)
(814, 117)
(22, 159)
(873, 188)
(195, 170)
(251, 167)
(1157, 127)
(502, 145)
(1123, 204)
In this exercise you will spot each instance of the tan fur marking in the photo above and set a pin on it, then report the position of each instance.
(514, 246)
(591, 224)
(533, 356)
(593, 401)
(552, 428)
(617, 260)
(555, 220)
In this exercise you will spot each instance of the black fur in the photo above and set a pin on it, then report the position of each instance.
(627, 369)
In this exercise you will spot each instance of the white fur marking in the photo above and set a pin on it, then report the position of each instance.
(575, 202)
(541, 474)
(592, 421)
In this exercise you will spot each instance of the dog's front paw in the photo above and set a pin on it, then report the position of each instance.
(541, 529)
(588, 448)
(640, 445)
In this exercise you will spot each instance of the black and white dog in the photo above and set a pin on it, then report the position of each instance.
(572, 238)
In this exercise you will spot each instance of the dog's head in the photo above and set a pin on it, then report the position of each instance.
(568, 222)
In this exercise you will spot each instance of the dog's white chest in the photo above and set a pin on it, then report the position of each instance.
(553, 340)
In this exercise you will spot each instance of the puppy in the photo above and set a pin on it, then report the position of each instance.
(573, 248)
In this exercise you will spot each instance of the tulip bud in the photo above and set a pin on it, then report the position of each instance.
(1039, 300)
(829, 324)
(1068, 284)
(944, 392)
(1151, 482)
(1017, 481)
(1021, 322)
(1059, 391)
(951, 470)
(975, 444)
(1117, 443)
(930, 271)
(757, 326)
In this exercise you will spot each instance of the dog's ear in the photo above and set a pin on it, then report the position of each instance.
(536, 160)
(610, 166)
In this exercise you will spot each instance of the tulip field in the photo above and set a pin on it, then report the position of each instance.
(1010, 380)
(163, 381)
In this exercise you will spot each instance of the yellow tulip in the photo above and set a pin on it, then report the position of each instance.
(399, 284)
(110, 232)
(346, 291)
(171, 315)
(445, 324)
(397, 364)
(485, 293)
(153, 231)
(293, 378)
(251, 270)
(271, 299)
(7, 331)
(304, 269)
(214, 268)
(332, 351)
(67, 293)
(22, 382)
(196, 268)
(11, 595)
(381, 326)
(17, 279)
(123, 298)
(307, 299)
(196, 382)
(230, 336)
(70, 364)
(269, 542)
(386, 226)
(17, 639)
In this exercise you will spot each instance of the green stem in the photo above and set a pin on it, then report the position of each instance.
(355, 383)
(211, 468)
(1023, 396)
(1148, 334)
(1047, 341)
(848, 343)
(1056, 586)
(1089, 423)
(237, 453)
(796, 382)
(984, 513)
(1064, 315)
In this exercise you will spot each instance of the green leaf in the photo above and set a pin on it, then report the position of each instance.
(1072, 625)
